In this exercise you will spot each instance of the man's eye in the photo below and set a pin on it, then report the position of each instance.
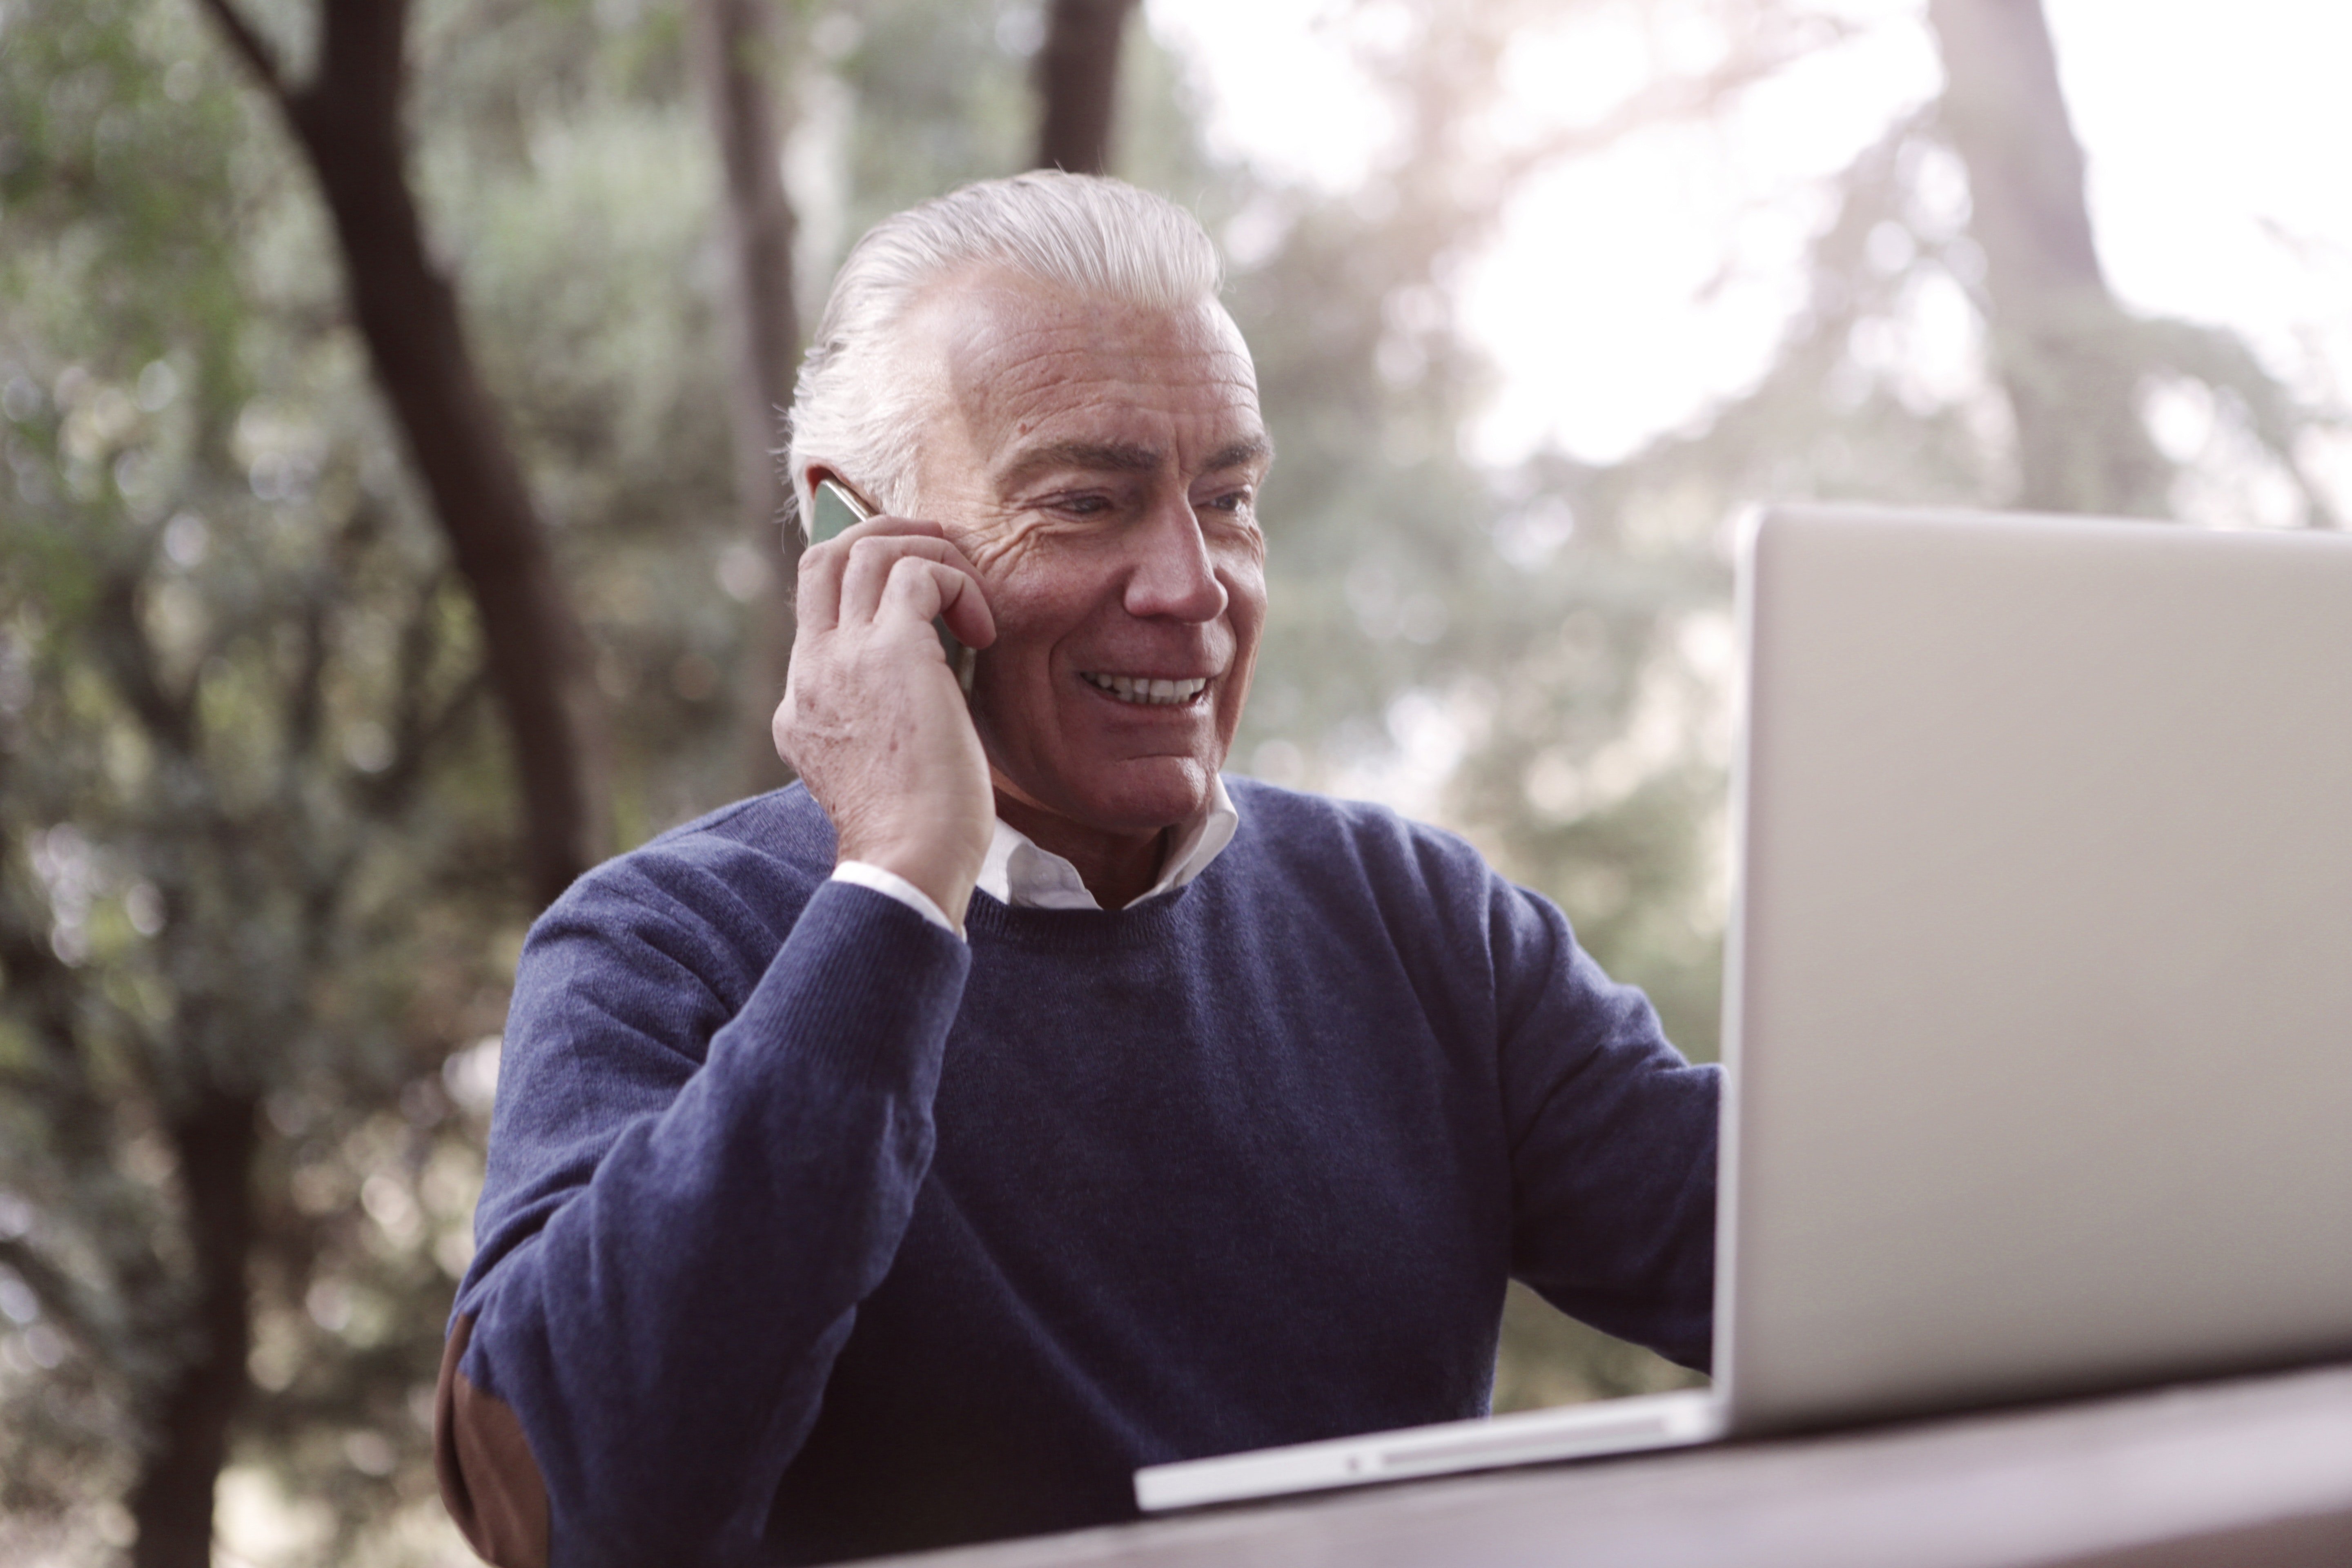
(1233, 504)
(1083, 505)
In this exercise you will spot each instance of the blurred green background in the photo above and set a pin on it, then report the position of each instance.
(266, 851)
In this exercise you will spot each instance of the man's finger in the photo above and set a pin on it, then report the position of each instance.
(966, 610)
(921, 589)
(816, 594)
(817, 591)
(873, 559)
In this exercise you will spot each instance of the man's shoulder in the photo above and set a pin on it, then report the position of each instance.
(1297, 833)
(756, 862)
(784, 826)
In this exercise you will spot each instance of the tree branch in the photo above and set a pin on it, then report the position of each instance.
(1678, 97)
(420, 647)
(1077, 75)
(735, 55)
(305, 691)
(249, 48)
(63, 1300)
(172, 1503)
(362, 56)
(29, 970)
(396, 786)
(348, 121)
(169, 717)
(2062, 347)
(2275, 415)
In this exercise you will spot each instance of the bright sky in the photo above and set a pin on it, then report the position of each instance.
(2215, 136)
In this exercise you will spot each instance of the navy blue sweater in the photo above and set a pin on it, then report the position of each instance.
(810, 1232)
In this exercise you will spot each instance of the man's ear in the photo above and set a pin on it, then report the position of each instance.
(817, 473)
(804, 499)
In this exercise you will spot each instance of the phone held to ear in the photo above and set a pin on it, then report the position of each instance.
(836, 509)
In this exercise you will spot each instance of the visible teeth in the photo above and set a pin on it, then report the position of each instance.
(1164, 693)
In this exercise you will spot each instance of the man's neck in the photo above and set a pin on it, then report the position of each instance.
(1117, 869)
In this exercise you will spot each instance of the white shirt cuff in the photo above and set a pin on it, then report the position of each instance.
(891, 885)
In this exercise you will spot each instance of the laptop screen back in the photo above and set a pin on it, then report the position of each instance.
(2040, 1012)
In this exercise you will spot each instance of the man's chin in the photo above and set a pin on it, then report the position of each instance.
(1128, 800)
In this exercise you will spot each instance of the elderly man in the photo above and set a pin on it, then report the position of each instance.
(905, 1157)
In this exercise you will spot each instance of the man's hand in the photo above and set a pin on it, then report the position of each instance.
(872, 717)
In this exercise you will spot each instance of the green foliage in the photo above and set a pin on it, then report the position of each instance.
(236, 667)
(941, 98)
(569, 176)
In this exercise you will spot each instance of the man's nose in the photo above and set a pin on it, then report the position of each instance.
(1171, 575)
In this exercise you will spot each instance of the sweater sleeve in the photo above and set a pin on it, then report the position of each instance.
(1613, 1140)
(700, 1163)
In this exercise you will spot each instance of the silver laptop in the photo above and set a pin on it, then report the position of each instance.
(2038, 1006)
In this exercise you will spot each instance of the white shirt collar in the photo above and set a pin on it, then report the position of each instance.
(1017, 872)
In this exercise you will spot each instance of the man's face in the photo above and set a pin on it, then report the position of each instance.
(1099, 465)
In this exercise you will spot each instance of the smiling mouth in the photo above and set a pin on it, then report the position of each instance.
(1151, 692)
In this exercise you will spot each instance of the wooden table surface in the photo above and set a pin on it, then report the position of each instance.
(2250, 1473)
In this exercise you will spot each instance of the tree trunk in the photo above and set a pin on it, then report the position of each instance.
(346, 120)
(1077, 83)
(172, 1503)
(349, 120)
(735, 57)
(2058, 335)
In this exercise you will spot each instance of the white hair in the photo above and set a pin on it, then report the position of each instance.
(1098, 239)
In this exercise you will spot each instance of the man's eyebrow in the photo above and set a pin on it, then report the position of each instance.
(1241, 454)
(1113, 457)
(1123, 457)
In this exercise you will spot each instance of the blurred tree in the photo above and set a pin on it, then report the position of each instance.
(254, 889)
(2055, 326)
(238, 668)
(347, 120)
(2078, 369)
(738, 57)
(1077, 74)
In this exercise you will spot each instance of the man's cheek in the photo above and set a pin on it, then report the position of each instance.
(1004, 548)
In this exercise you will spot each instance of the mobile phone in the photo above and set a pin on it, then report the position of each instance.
(834, 508)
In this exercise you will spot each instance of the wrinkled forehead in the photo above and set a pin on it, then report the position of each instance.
(1006, 352)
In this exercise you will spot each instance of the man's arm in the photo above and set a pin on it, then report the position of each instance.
(673, 1251)
(1614, 1140)
(703, 1158)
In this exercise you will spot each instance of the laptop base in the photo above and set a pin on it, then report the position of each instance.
(1525, 1437)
